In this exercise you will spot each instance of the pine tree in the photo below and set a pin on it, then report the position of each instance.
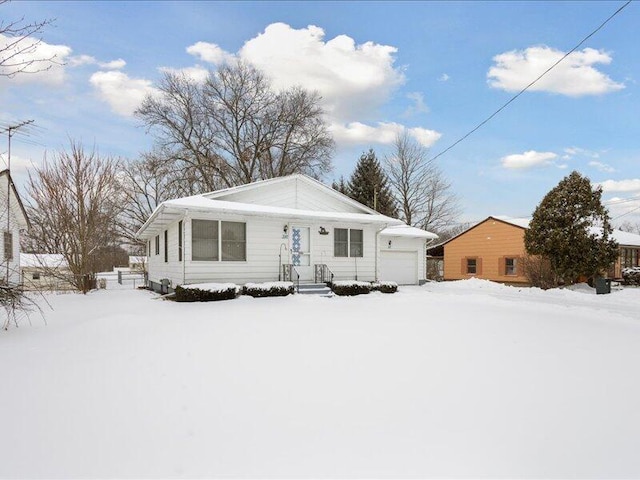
(369, 185)
(571, 228)
(341, 186)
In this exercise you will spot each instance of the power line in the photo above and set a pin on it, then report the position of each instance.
(531, 84)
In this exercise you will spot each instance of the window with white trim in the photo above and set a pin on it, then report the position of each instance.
(348, 242)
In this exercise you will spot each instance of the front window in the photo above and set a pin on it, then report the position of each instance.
(356, 242)
(510, 266)
(234, 241)
(341, 242)
(472, 266)
(8, 246)
(204, 240)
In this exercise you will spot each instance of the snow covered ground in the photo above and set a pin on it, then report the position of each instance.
(460, 379)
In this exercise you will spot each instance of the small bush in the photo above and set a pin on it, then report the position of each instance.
(385, 287)
(206, 292)
(631, 276)
(269, 289)
(350, 287)
(539, 272)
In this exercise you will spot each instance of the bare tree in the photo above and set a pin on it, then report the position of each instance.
(144, 184)
(423, 194)
(19, 42)
(234, 128)
(73, 206)
(630, 227)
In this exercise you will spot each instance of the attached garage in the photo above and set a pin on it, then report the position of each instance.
(399, 267)
(401, 255)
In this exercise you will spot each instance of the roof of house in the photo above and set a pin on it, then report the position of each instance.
(172, 210)
(407, 231)
(42, 260)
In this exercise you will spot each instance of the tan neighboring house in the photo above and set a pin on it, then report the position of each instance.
(494, 250)
(44, 271)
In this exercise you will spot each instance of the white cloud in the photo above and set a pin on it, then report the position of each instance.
(79, 60)
(50, 73)
(419, 105)
(196, 73)
(528, 159)
(603, 167)
(210, 53)
(443, 78)
(353, 79)
(355, 133)
(630, 185)
(575, 76)
(122, 93)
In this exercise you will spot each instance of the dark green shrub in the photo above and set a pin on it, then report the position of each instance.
(350, 288)
(386, 287)
(631, 276)
(270, 289)
(225, 291)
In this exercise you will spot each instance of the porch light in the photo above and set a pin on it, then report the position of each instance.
(286, 227)
(389, 243)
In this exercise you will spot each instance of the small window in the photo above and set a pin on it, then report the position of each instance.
(204, 240)
(166, 246)
(8, 246)
(472, 266)
(35, 276)
(157, 244)
(355, 243)
(234, 241)
(180, 241)
(340, 242)
(510, 266)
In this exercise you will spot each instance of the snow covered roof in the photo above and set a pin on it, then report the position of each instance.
(518, 222)
(172, 210)
(407, 231)
(43, 260)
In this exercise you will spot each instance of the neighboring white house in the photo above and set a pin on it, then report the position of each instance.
(290, 227)
(45, 271)
(13, 219)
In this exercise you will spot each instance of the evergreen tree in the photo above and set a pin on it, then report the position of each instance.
(341, 186)
(571, 228)
(369, 185)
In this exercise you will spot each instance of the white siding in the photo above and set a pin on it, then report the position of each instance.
(265, 240)
(14, 227)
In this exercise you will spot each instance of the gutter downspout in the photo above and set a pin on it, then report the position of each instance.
(378, 250)
(184, 243)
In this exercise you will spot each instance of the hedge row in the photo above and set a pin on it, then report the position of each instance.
(631, 276)
(358, 288)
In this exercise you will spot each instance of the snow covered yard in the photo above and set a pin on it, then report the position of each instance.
(461, 379)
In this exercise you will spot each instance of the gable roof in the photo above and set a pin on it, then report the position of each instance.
(172, 210)
(407, 231)
(25, 219)
(515, 222)
(288, 180)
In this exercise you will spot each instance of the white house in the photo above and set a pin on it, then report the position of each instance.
(13, 219)
(45, 271)
(287, 228)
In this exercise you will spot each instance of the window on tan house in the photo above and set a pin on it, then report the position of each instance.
(510, 267)
(471, 265)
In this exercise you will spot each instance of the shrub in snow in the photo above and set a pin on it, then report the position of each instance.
(631, 276)
(206, 292)
(385, 287)
(347, 287)
(268, 289)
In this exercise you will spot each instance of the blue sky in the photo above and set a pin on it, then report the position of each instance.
(434, 68)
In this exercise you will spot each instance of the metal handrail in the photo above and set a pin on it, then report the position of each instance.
(323, 274)
(297, 280)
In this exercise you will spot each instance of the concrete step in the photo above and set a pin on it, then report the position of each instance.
(314, 289)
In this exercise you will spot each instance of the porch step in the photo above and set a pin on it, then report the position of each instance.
(314, 289)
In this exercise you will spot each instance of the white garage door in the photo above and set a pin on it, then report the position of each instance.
(399, 267)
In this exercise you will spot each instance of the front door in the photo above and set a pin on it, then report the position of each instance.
(301, 252)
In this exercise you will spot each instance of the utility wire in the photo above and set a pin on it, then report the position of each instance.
(532, 83)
